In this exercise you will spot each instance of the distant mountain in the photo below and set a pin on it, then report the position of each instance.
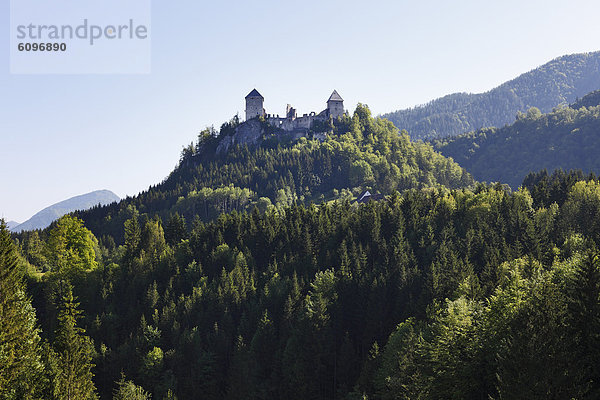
(567, 138)
(11, 224)
(83, 202)
(560, 81)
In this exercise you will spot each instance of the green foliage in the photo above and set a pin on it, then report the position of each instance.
(566, 138)
(33, 250)
(583, 320)
(127, 390)
(70, 248)
(398, 375)
(320, 298)
(431, 293)
(152, 365)
(176, 229)
(322, 126)
(74, 350)
(21, 369)
(582, 207)
(361, 172)
(589, 100)
(211, 203)
(522, 342)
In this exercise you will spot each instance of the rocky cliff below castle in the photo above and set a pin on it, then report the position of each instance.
(257, 131)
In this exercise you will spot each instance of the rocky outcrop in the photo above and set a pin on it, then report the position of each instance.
(249, 133)
(253, 132)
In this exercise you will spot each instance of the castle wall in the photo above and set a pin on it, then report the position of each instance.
(301, 123)
(255, 108)
(283, 123)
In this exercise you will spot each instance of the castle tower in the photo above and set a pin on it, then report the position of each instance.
(254, 105)
(335, 105)
(290, 112)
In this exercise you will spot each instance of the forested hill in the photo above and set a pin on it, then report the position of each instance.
(560, 81)
(589, 100)
(430, 294)
(566, 138)
(360, 153)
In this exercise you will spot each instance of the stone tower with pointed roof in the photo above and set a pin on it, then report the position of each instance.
(254, 105)
(335, 105)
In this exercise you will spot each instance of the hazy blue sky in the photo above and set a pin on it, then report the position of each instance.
(64, 135)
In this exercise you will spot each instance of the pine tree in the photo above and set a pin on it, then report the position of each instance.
(239, 379)
(175, 229)
(133, 237)
(20, 364)
(73, 379)
(584, 325)
(127, 390)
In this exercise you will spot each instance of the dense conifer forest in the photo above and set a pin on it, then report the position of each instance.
(566, 138)
(254, 275)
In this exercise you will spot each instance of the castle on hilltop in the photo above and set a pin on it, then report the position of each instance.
(291, 122)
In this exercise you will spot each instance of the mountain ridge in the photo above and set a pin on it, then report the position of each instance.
(12, 224)
(559, 81)
(46, 216)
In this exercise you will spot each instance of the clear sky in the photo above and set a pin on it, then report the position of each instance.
(64, 135)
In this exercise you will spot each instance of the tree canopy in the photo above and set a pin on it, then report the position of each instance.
(566, 138)
(430, 293)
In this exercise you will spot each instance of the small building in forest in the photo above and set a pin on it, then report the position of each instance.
(366, 196)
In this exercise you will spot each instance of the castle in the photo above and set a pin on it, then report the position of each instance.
(291, 122)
